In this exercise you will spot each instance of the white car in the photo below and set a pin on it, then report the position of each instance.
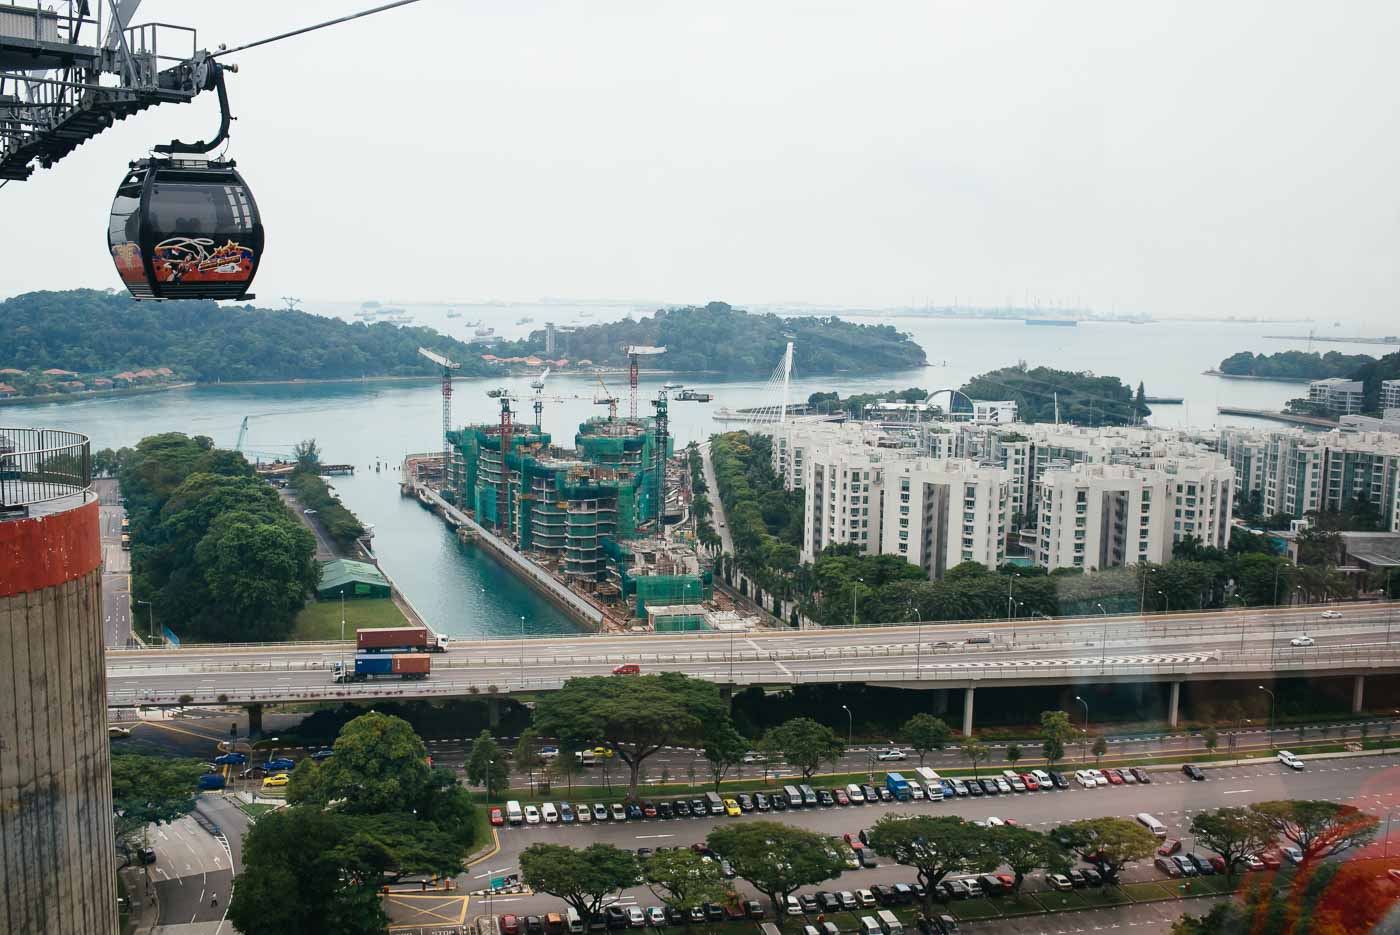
(1043, 778)
(532, 815)
(1289, 760)
(755, 757)
(1085, 779)
(994, 822)
(549, 753)
(1303, 640)
(1099, 778)
(550, 813)
(794, 908)
(891, 754)
(635, 917)
(115, 731)
(1331, 615)
(656, 916)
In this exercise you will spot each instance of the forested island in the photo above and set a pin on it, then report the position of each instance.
(83, 340)
(720, 339)
(1084, 398)
(1293, 365)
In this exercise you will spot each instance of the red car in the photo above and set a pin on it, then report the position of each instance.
(1169, 847)
(1115, 778)
(841, 797)
(497, 817)
(628, 668)
(1032, 785)
(1272, 859)
(510, 925)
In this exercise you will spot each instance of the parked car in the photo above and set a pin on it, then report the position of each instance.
(1093, 875)
(1271, 859)
(1076, 878)
(841, 797)
(698, 808)
(991, 787)
(825, 798)
(745, 801)
(278, 779)
(1169, 847)
(618, 812)
(1030, 782)
(656, 916)
(681, 808)
(584, 813)
(1203, 865)
(1294, 855)
(714, 912)
(808, 902)
(1042, 778)
(532, 815)
(791, 906)
(510, 925)
(1114, 777)
(753, 909)
(780, 801)
(760, 802)
(1143, 776)
(871, 795)
(1167, 866)
(1004, 787)
(953, 889)
(616, 917)
(664, 810)
(1188, 868)
(1059, 780)
(867, 858)
(498, 817)
(634, 812)
(1252, 862)
(828, 902)
(1059, 882)
(1193, 771)
(649, 809)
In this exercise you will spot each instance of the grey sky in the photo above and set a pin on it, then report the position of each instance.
(1178, 159)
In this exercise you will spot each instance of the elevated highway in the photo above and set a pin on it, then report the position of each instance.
(963, 656)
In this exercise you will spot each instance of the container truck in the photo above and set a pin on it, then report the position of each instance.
(898, 786)
(391, 665)
(399, 640)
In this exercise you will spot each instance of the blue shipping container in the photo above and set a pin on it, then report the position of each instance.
(374, 665)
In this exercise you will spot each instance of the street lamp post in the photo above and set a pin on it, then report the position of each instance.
(850, 724)
(342, 614)
(1166, 602)
(1272, 701)
(1142, 599)
(1277, 568)
(918, 644)
(1010, 580)
(151, 610)
(522, 651)
(1084, 747)
(1103, 643)
(855, 592)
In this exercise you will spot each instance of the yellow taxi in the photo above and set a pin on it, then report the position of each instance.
(279, 779)
(602, 751)
(731, 807)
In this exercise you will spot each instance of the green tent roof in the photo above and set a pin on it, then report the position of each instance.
(342, 571)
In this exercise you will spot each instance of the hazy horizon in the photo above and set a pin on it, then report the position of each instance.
(1169, 161)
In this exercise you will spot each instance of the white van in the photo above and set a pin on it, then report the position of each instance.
(854, 794)
(572, 922)
(889, 923)
(868, 926)
(550, 813)
(513, 813)
(1152, 824)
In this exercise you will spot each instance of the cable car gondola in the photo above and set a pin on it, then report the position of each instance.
(186, 228)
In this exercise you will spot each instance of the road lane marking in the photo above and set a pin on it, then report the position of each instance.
(643, 837)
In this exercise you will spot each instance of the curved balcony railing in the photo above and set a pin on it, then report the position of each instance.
(39, 465)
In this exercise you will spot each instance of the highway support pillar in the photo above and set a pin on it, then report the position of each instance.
(493, 712)
(967, 711)
(1358, 693)
(254, 720)
(1174, 704)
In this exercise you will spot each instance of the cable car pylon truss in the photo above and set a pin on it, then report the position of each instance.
(73, 68)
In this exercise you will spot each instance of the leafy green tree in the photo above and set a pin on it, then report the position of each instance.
(1025, 850)
(1013, 754)
(804, 743)
(1112, 842)
(1319, 828)
(1099, 749)
(935, 846)
(1056, 732)
(975, 752)
(487, 765)
(582, 877)
(1211, 738)
(307, 455)
(527, 754)
(724, 749)
(301, 874)
(150, 790)
(635, 716)
(924, 733)
(777, 859)
(682, 878)
(380, 765)
(1233, 833)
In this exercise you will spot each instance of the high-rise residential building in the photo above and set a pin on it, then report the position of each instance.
(1095, 516)
(1337, 394)
(57, 848)
(1297, 472)
(940, 513)
(843, 484)
(1390, 394)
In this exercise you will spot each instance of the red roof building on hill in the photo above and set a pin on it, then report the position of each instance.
(73, 385)
(7, 390)
(165, 371)
(55, 372)
(11, 372)
(102, 382)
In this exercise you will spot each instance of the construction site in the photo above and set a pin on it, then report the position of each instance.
(607, 518)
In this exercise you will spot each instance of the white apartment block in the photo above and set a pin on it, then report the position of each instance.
(939, 513)
(1337, 394)
(1297, 471)
(843, 485)
(1390, 394)
(1103, 516)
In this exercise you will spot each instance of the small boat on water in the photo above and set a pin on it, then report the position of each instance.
(484, 332)
(524, 320)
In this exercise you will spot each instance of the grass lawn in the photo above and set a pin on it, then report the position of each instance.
(1055, 901)
(320, 620)
(1213, 884)
(970, 909)
(1145, 892)
(256, 810)
(1099, 896)
(1023, 905)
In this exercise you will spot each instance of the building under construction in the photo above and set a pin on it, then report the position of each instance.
(580, 510)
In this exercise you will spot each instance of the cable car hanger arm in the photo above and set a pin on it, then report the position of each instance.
(175, 146)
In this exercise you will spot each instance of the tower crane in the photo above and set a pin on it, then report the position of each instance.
(537, 385)
(607, 399)
(447, 367)
(635, 351)
(242, 433)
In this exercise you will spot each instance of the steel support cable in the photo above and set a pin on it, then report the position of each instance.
(305, 29)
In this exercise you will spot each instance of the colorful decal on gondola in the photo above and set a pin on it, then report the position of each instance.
(190, 259)
(127, 256)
